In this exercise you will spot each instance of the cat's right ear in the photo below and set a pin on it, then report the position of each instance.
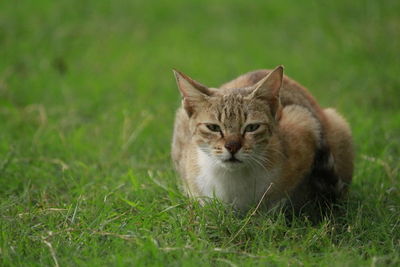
(192, 92)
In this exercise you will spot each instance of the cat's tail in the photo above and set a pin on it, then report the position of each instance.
(333, 162)
(339, 139)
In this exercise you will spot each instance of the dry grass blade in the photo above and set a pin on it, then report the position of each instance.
(125, 237)
(52, 252)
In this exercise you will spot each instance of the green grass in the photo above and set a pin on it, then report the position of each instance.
(87, 100)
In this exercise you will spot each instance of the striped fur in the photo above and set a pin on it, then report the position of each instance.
(297, 151)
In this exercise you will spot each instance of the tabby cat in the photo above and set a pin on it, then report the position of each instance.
(260, 138)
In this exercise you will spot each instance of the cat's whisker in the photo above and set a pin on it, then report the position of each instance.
(253, 163)
(262, 156)
(276, 152)
(271, 149)
(258, 162)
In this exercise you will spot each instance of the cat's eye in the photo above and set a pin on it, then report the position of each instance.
(252, 127)
(213, 127)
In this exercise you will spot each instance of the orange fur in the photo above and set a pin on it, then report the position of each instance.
(261, 130)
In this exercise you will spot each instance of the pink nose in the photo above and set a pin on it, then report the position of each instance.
(233, 146)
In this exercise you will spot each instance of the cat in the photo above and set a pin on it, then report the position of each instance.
(260, 139)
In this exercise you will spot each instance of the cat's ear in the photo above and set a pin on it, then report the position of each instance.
(192, 92)
(268, 89)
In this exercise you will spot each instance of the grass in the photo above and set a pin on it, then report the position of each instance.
(87, 100)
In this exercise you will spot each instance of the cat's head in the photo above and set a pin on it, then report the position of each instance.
(234, 126)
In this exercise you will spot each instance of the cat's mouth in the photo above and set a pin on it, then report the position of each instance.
(233, 160)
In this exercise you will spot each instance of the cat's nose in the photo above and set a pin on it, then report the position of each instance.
(233, 146)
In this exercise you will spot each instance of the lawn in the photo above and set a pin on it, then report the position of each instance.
(87, 100)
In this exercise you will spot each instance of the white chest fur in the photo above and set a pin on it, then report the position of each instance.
(241, 186)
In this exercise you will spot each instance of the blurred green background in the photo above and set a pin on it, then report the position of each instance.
(87, 99)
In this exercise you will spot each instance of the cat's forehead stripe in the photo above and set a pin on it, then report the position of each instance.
(231, 111)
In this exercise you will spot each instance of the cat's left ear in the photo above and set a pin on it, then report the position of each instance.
(268, 89)
(192, 92)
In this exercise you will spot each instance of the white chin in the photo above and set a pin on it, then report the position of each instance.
(232, 164)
